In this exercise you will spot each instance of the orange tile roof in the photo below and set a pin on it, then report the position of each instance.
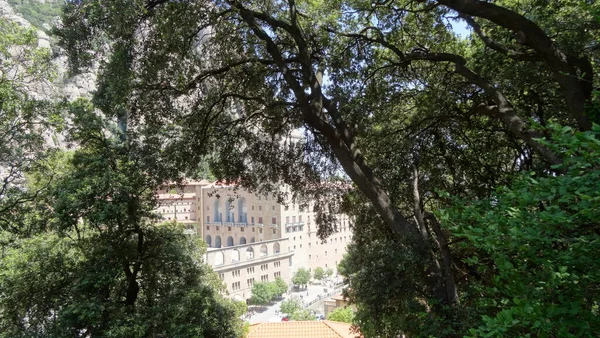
(302, 329)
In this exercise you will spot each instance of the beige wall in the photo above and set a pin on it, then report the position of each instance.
(238, 218)
(241, 266)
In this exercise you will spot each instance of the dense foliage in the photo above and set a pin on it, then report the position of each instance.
(342, 314)
(95, 262)
(416, 116)
(41, 14)
(301, 277)
(265, 292)
(533, 247)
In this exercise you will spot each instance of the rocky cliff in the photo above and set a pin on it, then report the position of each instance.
(63, 86)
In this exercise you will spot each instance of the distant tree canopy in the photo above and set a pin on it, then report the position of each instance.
(386, 92)
(38, 12)
(301, 277)
(342, 314)
(319, 273)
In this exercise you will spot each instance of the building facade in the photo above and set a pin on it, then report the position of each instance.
(234, 222)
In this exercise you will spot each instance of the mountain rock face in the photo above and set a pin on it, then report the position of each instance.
(64, 86)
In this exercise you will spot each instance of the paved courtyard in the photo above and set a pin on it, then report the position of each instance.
(312, 294)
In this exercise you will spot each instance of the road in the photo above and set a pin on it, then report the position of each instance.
(271, 314)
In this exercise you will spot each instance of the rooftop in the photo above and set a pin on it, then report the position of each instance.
(303, 329)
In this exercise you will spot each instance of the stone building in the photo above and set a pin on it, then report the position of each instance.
(250, 237)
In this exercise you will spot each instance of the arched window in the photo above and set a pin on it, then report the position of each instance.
(235, 256)
(229, 212)
(263, 250)
(249, 253)
(276, 247)
(242, 211)
(219, 258)
(229, 241)
(208, 241)
(218, 216)
(217, 241)
(252, 240)
(242, 240)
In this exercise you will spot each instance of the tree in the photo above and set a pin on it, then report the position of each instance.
(329, 272)
(302, 315)
(535, 237)
(262, 293)
(319, 273)
(301, 277)
(26, 120)
(281, 286)
(291, 306)
(408, 109)
(95, 262)
(341, 314)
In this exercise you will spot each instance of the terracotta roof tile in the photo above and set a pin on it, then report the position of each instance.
(302, 329)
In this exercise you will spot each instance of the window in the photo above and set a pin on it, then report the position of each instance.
(264, 267)
(260, 230)
(260, 208)
(228, 228)
(300, 246)
(252, 219)
(293, 219)
(253, 230)
(242, 229)
(274, 231)
(273, 220)
(235, 273)
(309, 244)
(250, 270)
(287, 219)
(186, 217)
(264, 278)
(252, 207)
(250, 282)
(277, 264)
(325, 253)
(309, 256)
(300, 218)
(273, 207)
(308, 220)
(277, 274)
(222, 276)
(260, 220)
(235, 286)
(208, 227)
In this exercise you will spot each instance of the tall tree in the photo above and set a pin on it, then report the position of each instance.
(98, 264)
(383, 90)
